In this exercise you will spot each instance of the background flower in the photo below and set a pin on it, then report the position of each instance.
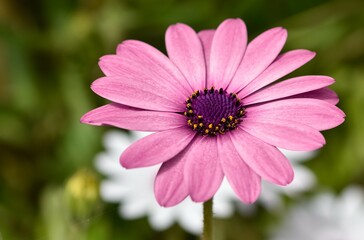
(326, 217)
(133, 189)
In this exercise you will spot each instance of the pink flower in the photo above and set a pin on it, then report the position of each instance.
(215, 109)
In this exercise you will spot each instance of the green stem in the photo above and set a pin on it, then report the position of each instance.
(207, 220)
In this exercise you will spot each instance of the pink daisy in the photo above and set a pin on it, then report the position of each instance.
(215, 109)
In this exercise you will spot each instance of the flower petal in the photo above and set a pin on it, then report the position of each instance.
(206, 37)
(111, 191)
(203, 171)
(112, 65)
(129, 91)
(185, 50)
(283, 65)
(139, 65)
(243, 180)
(312, 112)
(121, 116)
(284, 133)
(259, 54)
(324, 94)
(156, 148)
(170, 187)
(160, 218)
(265, 159)
(227, 50)
(189, 216)
(288, 88)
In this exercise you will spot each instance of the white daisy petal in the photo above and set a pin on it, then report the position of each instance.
(325, 217)
(110, 191)
(161, 218)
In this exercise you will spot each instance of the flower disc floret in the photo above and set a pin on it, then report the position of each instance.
(212, 112)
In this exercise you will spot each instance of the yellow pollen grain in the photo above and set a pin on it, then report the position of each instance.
(223, 120)
(195, 126)
(200, 124)
(210, 125)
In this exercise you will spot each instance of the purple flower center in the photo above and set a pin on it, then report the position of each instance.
(212, 112)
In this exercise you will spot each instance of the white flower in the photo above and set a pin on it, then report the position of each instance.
(326, 217)
(133, 188)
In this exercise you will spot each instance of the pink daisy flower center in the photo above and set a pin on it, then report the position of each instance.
(212, 112)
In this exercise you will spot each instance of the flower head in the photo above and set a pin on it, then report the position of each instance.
(215, 109)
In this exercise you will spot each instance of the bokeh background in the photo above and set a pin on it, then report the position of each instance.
(49, 51)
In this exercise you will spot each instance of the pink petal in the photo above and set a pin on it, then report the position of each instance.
(312, 112)
(143, 65)
(170, 187)
(265, 159)
(243, 180)
(156, 148)
(133, 118)
(288, 88)
(185, 50)
(227, 50)
(324, 94)
(112, 65)
(206, 37)
(203, 171)
(128, 90)
(284, 133)
(259, 54)
(283, 65)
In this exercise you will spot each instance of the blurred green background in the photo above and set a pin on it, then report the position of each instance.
(49, 51)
